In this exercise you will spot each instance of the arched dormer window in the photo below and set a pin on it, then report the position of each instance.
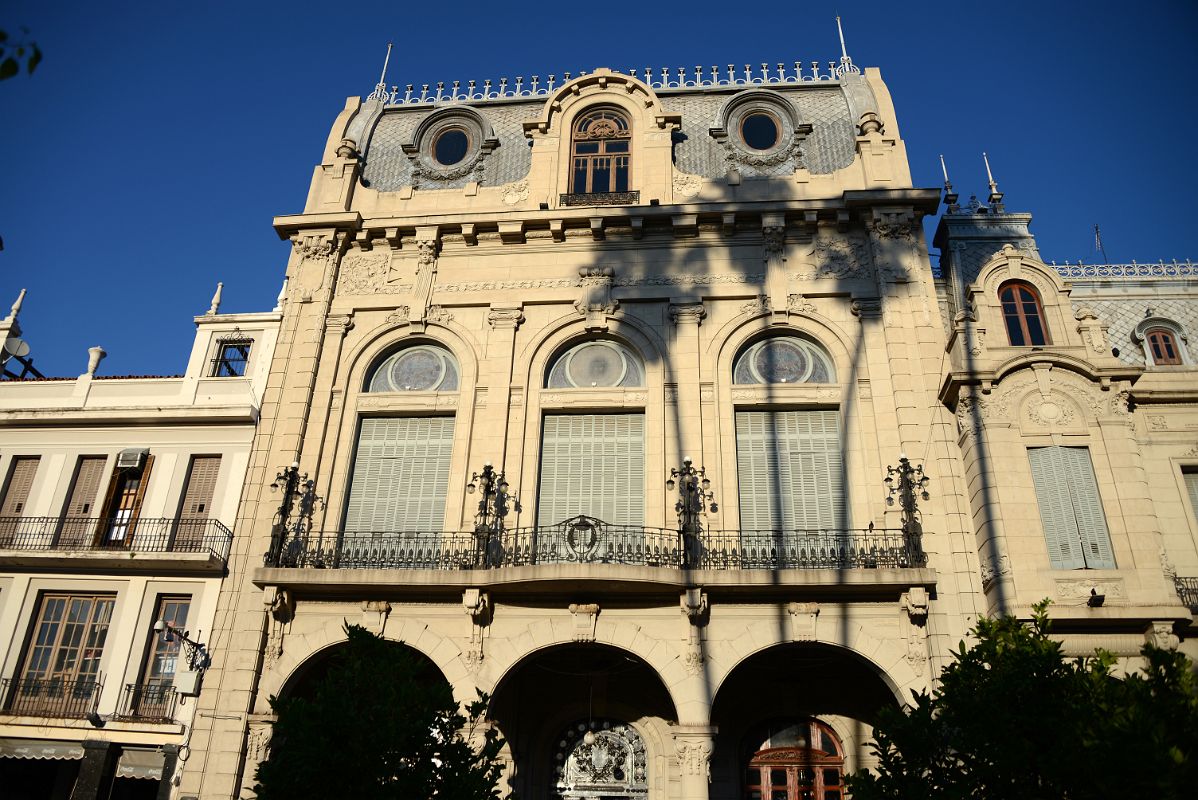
(1163, 346)
(1023, 314)
(600, 152)
(421, 368)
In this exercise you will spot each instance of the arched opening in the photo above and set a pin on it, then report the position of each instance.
(582, 721)
(792, 720)
(600, 151)
(1023, 314)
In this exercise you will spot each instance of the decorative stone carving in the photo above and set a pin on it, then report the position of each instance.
(693, 603)
(694, 755)
(773, 240)
(992, 569)
(259, 729)
(758, 305)
(1078, 589)
(803, 617)
(1091, 330)
(339, 324)
(1160, 633)
(687, 313)
(915, 603)
(400, 316)
(1167, 568)
(595, 303)
(364, 273)
(375, 613)
(1156, 422)
(438, 314)
(515, 193)
(1054, 411)
(586, 616)
(477, 605)
(893, 225)
(836, 257)
(427, 253)
(509, 318)
(866, 307)
(797, 304)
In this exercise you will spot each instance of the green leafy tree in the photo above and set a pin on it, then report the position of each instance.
(1013, 718)
(16, 54)
(376, 727)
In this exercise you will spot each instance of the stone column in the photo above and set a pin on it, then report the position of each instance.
(97, 762)
(693, 744)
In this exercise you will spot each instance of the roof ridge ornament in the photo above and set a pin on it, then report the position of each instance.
(950, 197)
(846, 64)
(995, 198)
(380, 92)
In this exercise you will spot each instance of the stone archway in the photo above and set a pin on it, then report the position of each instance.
(799, 683)
(575, 715)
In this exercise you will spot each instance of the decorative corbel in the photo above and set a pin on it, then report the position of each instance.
(1092, 331)
(1160, 634)
(477, 605)
(595, 302)
(375, 613)
(586, 616)
(693, 603)
(914, 603)
(803, 618)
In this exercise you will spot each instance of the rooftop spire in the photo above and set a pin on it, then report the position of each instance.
(380, 89)
(846, 63)
(215, 306)
(16, 307)
(995, 198)
(950, 197)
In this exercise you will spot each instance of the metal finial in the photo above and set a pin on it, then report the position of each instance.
(380, 90)
(995, 198)
(212, 309)
(386, 61)
(846, 63)
(16, 307)
(950, 197)
(948, 186)
(1098, 243)
(844, 53)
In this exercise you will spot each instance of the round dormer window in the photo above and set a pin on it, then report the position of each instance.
(451, 146)
(760, 130)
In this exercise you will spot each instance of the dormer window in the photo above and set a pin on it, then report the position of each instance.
(1163, 345)
(601, 152)
(1023, 315)
(232, 356)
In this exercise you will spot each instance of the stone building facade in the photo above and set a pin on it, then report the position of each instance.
(117, 500)
(745, 466)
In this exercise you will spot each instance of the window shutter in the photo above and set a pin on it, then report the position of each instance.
(201, 485)
(401, 472)
(1070, 508)
(789, 466)
(593, 464)
(1087, 509)
(1191, 479)
(82, 502)
(20, 482)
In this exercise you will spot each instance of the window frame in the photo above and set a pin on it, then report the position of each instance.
(1169, 339)
(588, 160)
(1020, 315)
(221, 360)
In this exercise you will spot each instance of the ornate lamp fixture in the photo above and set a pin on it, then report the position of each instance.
(694, 495)
(295, 513)
(909, 485)
(492, 506)
(195, 652)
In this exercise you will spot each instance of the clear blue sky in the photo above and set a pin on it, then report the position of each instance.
(145, 158)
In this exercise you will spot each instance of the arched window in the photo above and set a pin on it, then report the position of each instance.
(783, 359)
(600, 152)
(596, 364)
(1023, 314)
(797, 762)
(1162, 344)
(420, 368)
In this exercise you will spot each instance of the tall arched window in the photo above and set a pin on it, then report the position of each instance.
(1163, 346)
(1023, 314)
(600, 152)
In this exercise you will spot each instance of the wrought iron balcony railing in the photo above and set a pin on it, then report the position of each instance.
(49, 697)
(585, 540)
(143, 535)
(147, 702)
(1187, 590)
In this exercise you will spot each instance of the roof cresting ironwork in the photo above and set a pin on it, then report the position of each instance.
(663, 78)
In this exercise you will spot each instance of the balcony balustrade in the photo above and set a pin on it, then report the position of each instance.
(585, 540)
(49, 697)
(100, 534)
(147, 702)
(1187, 591)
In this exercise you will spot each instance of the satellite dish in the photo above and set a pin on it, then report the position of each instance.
(16, 347)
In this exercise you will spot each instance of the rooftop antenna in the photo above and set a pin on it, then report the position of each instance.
(950, 197)
(380, 89)
(995, 198)
(846, 63)
(1098, 243)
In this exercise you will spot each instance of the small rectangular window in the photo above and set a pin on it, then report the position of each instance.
(232, 356)
(1191, 478)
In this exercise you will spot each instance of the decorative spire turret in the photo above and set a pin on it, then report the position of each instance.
(950, 197)
(995, 198)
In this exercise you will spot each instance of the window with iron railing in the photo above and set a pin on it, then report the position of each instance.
(232, 357)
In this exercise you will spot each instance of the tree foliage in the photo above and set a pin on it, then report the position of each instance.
(1013, 718)
(375, 727)
(18, 53)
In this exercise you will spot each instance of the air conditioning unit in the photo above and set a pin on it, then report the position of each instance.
(132, 458)
(187, 682)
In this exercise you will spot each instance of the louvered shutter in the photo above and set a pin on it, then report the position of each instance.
(1191, 479)
(789, 467)
(1074, 526)
(81, 504)
(593, 464)
(1087, 509)
(201, 485)
(20, 482)
(401, 472)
